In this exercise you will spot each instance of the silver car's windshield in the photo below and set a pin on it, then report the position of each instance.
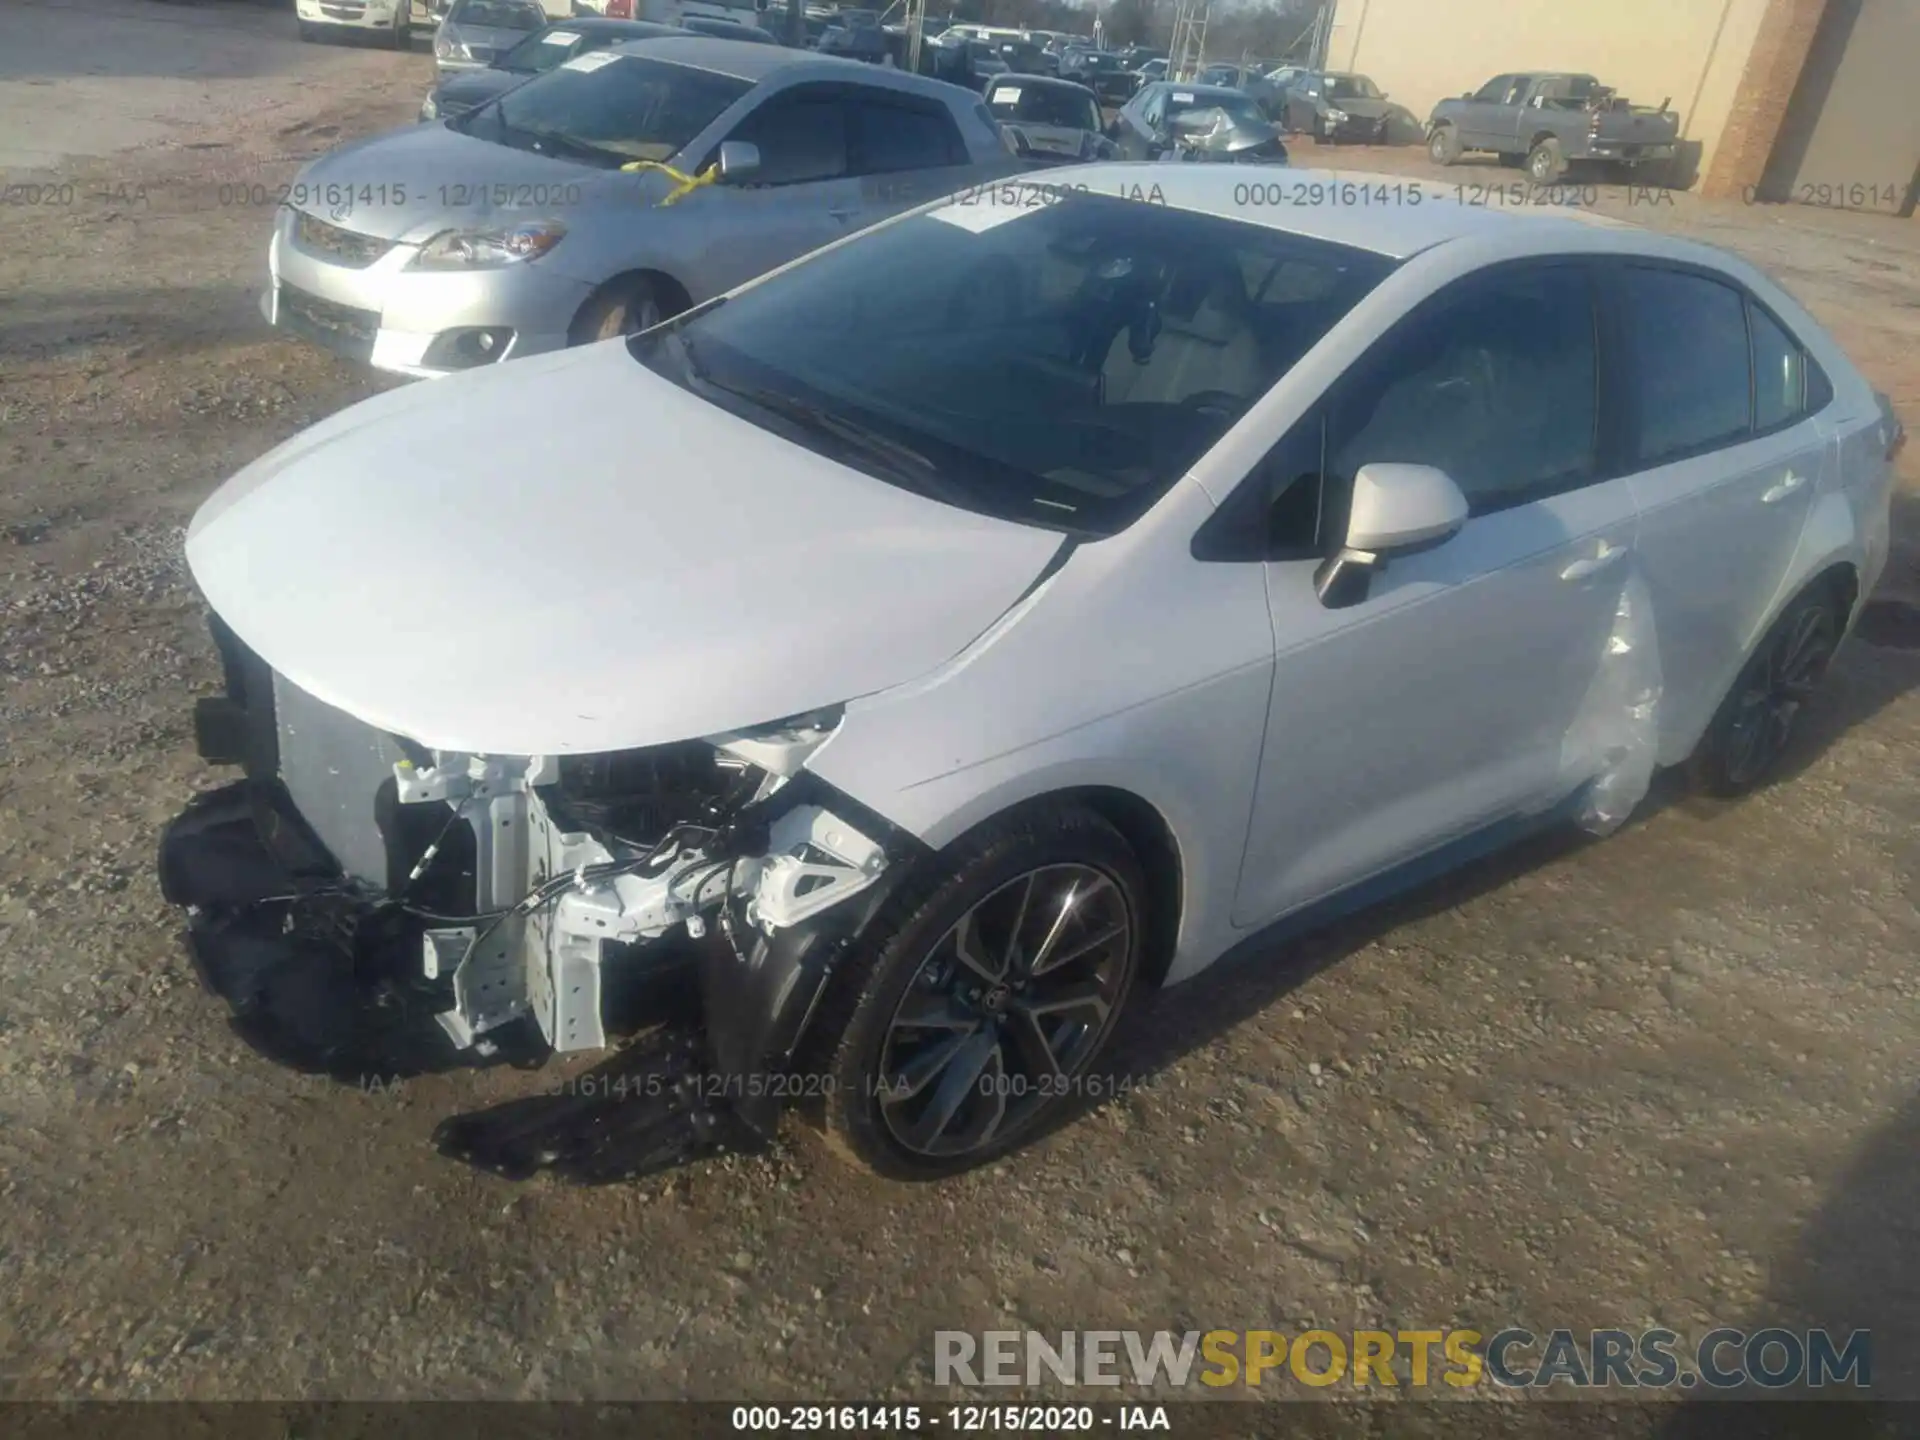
(557, 43)
(1060, 365)
(608, 108)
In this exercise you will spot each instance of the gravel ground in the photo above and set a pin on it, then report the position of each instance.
(1669, 1077)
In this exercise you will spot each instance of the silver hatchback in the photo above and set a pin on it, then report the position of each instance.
(566, 210)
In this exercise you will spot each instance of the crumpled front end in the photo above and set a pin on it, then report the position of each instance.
(369, 907)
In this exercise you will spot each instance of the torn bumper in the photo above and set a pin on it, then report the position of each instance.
(300, 884)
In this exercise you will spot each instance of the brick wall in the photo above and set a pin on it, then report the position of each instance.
(1773, 67)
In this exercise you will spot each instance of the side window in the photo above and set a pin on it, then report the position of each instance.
(1495, 383)
(889, 136)
(1494, 92)
(1154, 112)
(1779, 373)
(802, 136)
(1691, 378)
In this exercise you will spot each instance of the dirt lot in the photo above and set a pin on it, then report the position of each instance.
(1672, 1077)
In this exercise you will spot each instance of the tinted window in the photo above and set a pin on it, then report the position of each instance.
(1779, 373)
(1045, 105)
(1495, 385)
(1690, 374)
(1495, 90)
(1059, 365)
(889, 137)
(627, 108)
(801, 137)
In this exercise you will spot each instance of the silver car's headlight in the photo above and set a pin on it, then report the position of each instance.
(429, 109)
(480, 249)
(448, 45)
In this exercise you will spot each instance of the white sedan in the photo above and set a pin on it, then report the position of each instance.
(962, 630)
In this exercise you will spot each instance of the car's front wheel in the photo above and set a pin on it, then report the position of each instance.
(975, 1009)
(1752, 728)
(625, 307)
(1443, 145)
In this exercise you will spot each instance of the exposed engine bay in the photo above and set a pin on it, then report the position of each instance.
(355, 885)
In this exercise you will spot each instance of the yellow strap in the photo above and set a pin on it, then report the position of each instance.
(683, 183)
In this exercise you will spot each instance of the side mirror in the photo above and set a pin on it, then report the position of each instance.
(739, 160)
(1396, 510)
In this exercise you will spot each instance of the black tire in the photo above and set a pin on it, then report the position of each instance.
(1753, 727)
(869, 1035)
(1546, 162)
(624, 308)
(1443, 145)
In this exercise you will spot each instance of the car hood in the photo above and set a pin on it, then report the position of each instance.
(476, 87)
(408, 184)
(483, 42)
(570, 553)
(1359, 109)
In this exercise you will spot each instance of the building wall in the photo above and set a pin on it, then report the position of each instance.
(1693, 52)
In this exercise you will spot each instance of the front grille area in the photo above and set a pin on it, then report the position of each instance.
(339, 328)
(343, 247)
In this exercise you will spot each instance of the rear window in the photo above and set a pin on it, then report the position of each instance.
(1044, 105)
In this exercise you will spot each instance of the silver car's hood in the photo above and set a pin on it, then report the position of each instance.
(570, 553)
(1051, 139)
(408, 184)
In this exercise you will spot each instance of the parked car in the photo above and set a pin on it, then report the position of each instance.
(391, 20)
(1550, 121)
(519, 228)
(1149, 72)
(475, 33)
(728, 30)
(540, 52)
(1145, 128)
(1007, 613)
(1249, 80)
(1334, 107)
(856, 35)
(1049, 120)
(1102, 72)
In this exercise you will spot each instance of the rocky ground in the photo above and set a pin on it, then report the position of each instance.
(1668, 1078)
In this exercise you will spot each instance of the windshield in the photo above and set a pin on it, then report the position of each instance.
(1061, 365)
(498, 14)
(607, 108)
(1241, 108)
(1044, 105)
(1101, 60)
(1352, 87)
(547, 49)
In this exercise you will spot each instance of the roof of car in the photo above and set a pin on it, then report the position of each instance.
(1040, 82)
(1396, 227)
(603, 25)
(747, 59)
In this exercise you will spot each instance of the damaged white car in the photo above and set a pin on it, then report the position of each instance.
(932, 646)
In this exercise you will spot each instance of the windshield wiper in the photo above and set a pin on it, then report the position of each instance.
(564, 144)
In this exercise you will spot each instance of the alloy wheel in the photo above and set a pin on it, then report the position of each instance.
(1005, 1009)
(1774, 688)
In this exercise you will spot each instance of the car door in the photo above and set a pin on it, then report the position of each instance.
(802, 197)
(1475, 117)
(1444, 700)
(1303, 102)
(903, 150)
(1728, 450)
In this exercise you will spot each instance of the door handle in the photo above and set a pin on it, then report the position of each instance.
(1605, 558)
(1786, 487)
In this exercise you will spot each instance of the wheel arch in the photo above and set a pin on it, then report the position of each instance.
(671, 290)
(1540, 137)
